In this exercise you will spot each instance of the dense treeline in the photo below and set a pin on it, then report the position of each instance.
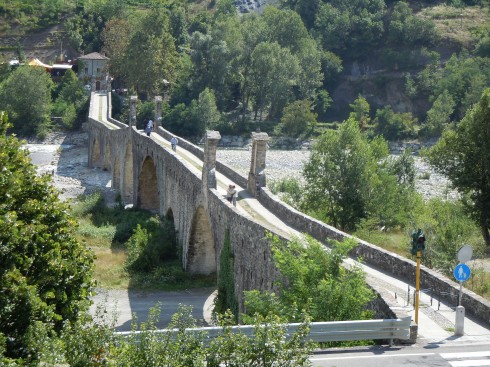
(251, 67)
(288, 65)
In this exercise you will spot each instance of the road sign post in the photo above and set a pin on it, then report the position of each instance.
(461, 273)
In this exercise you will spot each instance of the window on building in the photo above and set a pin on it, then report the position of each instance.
(86, 70)
(98, 70)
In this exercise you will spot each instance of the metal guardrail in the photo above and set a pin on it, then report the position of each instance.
(387, 329)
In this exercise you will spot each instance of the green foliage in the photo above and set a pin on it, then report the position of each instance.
(483, 45)
(462, 79)
(462, 157)
(84, 29)
(152, 260)
(353, 26)
(290, 189)
(149, 247)
(298, 119)
(26, 96)
(270, 346)
(360, 111)
(45, 273)
(206, 110)
(447, 228)
(407, 29)
(272, 70)
(314, 283)
(394, 126)
(322, 103)
(349, 178)
(226, 298)
(31, 16)
(182, 120)
(439, 116)
(72, 100)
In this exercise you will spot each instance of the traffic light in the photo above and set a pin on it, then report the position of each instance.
(418, 241)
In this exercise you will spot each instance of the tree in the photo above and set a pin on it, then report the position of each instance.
(211, 61)
(439, 116)
(394, 125)
(207, 112)
(26, 96)
(457, 77)
(274, 71)
(313, 283)
(462, 155)
(45, 274)
(285, 27)
(72, 99)
(298, 118)
(150, 55)
(360, 111)
(116, 38)
(350, 26)
(349, 178)
(408, 29)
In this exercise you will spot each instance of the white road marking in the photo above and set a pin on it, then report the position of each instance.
(466, 361)
(470, 363)
(373, 356)
(465, 355)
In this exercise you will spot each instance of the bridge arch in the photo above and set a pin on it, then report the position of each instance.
(148, 191)
(201, 253)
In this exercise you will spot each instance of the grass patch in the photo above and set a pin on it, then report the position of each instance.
(133, 248)
(109, 268)
(457, 24)
(395, 241)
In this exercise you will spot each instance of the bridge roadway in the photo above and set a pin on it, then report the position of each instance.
(436, 319)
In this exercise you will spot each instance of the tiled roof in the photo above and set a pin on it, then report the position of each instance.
(94, 56)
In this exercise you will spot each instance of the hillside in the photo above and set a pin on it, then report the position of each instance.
(378, 74)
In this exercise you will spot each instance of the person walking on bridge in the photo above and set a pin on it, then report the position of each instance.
(174, 141)
(149, 127)
(231, 194)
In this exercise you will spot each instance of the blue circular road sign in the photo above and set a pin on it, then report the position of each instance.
(462, 272)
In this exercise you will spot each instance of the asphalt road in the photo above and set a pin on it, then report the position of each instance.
(453, 354)
(122, 305)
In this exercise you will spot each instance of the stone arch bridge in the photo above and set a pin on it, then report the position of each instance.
(189, 187)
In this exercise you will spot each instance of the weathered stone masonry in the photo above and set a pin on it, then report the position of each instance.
(154, 178)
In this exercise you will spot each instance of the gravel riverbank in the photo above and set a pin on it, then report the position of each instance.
(65, 157)
(289, 163)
